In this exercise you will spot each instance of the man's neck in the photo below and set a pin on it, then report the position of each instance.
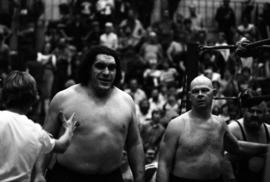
(99, 94)
(204, 113)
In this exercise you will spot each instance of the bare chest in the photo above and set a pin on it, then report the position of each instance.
(198, 139)
(111, 117)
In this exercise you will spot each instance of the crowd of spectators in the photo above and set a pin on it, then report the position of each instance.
(154, 55)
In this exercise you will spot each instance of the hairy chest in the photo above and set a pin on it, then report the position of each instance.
(201, 138)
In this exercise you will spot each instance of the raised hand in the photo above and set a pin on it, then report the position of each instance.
(70, 123)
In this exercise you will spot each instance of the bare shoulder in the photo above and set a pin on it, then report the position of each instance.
(235, 128)
(177, 124)
(66, 93)
(123, 96)
(219, 119)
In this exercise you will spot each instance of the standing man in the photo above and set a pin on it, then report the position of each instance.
(250, 128)
(193, 145)
(108, 125)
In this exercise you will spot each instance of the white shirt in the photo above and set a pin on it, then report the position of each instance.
(143, 118)
(137, 96)
(109, 40)
(21, 143)
(224, 52)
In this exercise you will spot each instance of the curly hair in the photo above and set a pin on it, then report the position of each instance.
(90, 58)
(19, 90)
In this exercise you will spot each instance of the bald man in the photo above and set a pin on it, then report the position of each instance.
(193, 146)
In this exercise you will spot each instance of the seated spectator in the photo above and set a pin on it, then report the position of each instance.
(109, 38)
(221, 41)
(151, 75)
(195, 17)
(229, 84)
(244, 79)
(246, 61)
(218, 93)
(133, 27)
(156, 99)
(168, 74)
(171, 103)
(151, 48)
(152, 132)
(104, 11)
(135, 92)
(174, 51)
(151, 164)
(212, 60)
(143, 112)
(84, 8)
(247, 29)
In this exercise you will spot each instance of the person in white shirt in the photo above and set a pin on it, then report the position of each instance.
(135, 91)
(21, 140)
(109, 38)
(222, 42)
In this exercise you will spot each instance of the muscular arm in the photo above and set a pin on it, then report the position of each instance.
(134, 149)
(167, 152)
(234, 146)
(52, 125)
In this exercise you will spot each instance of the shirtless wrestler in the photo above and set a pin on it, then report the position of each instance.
(108, 125)
(193, 146)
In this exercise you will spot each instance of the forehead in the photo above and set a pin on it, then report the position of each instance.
(105, 58)
(201, 82)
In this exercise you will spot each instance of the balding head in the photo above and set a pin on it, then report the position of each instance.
(201, 94)
(201, 80)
